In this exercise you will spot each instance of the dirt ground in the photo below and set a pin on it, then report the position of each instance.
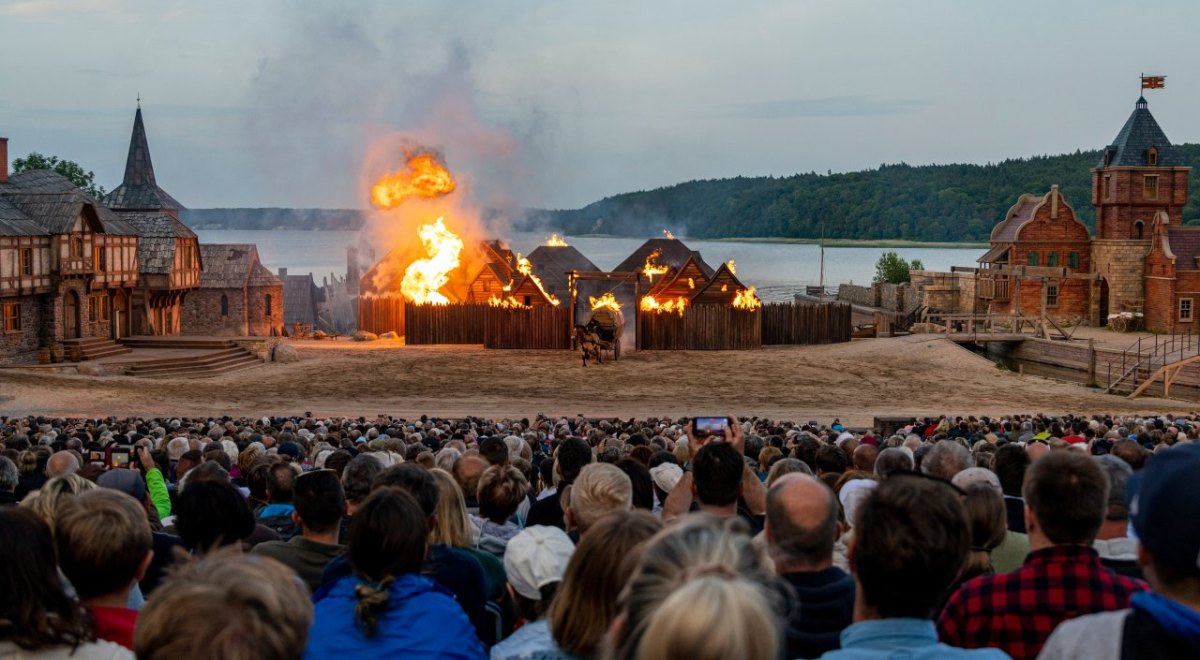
(917, 375)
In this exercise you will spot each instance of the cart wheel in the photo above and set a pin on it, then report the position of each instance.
(1119, 324)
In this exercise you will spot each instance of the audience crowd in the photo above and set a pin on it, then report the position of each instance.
(278, 538)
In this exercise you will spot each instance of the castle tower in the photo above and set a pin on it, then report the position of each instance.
(1139, 175)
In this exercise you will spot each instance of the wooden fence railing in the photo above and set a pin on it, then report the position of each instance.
(802, 323)
(542, 327)
(380, 314)
(701, 328)
(444, 324)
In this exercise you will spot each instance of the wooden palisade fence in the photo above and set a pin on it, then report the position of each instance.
(803, 323)
(541, 327)
(380, 314)
(444, 324)
(701, 328)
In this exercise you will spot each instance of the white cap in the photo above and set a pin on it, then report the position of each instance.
(666, 476)
(536, 557)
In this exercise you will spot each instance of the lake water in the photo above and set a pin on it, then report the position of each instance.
(777, 269)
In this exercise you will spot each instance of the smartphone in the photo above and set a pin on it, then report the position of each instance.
(706, 426)
(120, 456)
(96, 457)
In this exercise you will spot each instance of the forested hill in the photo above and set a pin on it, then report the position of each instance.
(926, 203)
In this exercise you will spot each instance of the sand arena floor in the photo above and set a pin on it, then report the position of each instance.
(918, 375)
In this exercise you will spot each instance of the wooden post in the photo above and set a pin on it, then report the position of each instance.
(1091, 360)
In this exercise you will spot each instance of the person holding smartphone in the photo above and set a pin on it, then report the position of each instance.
(716, 478)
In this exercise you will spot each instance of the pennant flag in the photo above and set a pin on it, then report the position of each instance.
(1154, 82)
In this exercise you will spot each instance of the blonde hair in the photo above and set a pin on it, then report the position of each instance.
(254, 608)
(600, 489)
(453, 526)
(704, 590)
(586, 602)
(46, 501)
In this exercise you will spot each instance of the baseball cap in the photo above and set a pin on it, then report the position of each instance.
(1163, 503)
(290, 449)
(536, 557)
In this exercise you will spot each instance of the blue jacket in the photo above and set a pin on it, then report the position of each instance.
(911, 639)
(421, 621)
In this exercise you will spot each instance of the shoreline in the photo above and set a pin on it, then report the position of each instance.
(829, 243)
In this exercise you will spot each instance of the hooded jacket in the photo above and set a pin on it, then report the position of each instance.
(421, 620)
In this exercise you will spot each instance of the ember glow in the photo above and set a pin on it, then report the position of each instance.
(607, 300)
(746, 299)
(668, 234)
(732, 266)
(555, 241)
(423, 177)
(424, 277)
(670, 306)
(509, 302)
(652, 268)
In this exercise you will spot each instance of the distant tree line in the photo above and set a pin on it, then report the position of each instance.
(926, 203)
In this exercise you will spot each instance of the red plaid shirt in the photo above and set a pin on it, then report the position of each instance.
(1016, 612)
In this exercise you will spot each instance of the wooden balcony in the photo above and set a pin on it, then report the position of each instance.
(995, 288)
(75, 266)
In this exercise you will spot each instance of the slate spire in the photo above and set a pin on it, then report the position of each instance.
(139, 171)
(1131, 148)
(139, 190)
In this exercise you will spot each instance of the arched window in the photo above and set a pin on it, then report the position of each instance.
(268, 305)
(224, 305)
(1139, 228)
(1032, 259)
(1152, 156)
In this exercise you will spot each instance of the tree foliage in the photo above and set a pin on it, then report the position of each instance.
(893, 269)
(925, 203)
(86, 180)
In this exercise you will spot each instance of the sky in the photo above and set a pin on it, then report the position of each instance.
(252, 103)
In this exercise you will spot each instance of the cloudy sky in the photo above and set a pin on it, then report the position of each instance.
(557, 104)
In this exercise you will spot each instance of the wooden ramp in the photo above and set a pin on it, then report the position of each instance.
(1168, 373)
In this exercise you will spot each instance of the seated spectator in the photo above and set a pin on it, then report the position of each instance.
(985, 517)
(61, 463)
(104, 549)
(946, 459)
(534, 563)
(1011, 464)
(570, 457)
(912, 540)
(386, 608)
(640, 480)
(231, 607)
(600, 489)
(587, 599)
(357, 479)
(467, 472)
(864, 458)
(1164, 623)
(1117, 551)
(1066, 495)
(1014, 546)
(9, 477)
(802, 527)
(277, 514)
(40, 620)
(501, 491)
(719, 481)
(211, 514)
(454, 530)
(785, 466)
(46, 501)
(700, 591)
(320, 505)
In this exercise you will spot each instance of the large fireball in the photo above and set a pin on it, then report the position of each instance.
(423, 177)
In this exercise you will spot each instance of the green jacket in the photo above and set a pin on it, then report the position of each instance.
(157, 486)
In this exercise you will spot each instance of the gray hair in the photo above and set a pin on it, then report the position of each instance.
(1118, 472)
(9, 475)
(176, 447)
(946, 459)
(893, 459)
(446, 458)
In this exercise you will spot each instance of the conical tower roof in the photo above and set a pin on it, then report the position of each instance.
(1132, 145)
(139, 191)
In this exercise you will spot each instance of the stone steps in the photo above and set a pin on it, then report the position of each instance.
(91, 348)
(209, 364)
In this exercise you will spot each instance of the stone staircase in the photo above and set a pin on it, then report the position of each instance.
(220, 356)
(78, 350)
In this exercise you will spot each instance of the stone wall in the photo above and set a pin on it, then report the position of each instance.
(896, 297)
(858, 295)
(266, 322)
(201, 313)
(21, 347)
(1122, 263)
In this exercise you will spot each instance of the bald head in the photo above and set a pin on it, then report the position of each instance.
(1037, 450)
(802, 523)
(61, 463)
(467, 472)
(864, 458)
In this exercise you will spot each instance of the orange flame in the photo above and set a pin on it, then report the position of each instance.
(424, 277)
(745, 299)
(732, 267)
(671, 306)
(555, 241)
(423, 177)
(508, 302)
(526, 269)
(668, 234)
(652, 267)
(607, 300)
